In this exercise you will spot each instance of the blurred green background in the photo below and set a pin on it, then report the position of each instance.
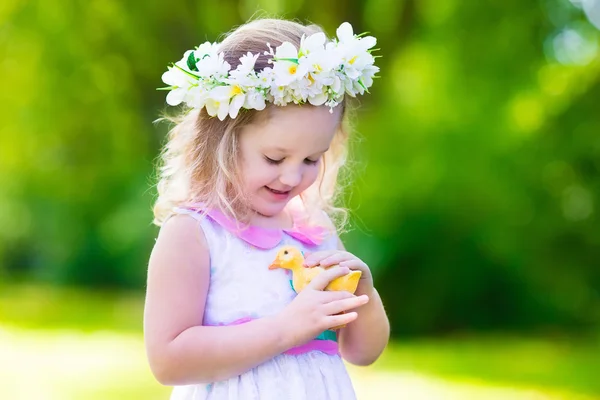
(474, 200)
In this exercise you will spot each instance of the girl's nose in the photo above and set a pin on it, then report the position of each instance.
(291, 178)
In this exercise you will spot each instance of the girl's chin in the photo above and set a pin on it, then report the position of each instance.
(269, 209)
(268, 212)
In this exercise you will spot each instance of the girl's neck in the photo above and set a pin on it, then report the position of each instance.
(283, 220)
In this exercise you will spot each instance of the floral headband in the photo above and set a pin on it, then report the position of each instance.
(320, 72)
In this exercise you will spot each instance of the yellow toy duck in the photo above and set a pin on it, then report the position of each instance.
(290, 257)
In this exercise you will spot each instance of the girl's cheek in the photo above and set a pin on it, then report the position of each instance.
(311, 175)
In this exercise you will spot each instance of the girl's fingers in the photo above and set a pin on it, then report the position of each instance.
(354, 264)
(322, 280)
(341, 319)
(333, 257)
(315, 258)
(330, 296)
(338, 306)
(336, 258)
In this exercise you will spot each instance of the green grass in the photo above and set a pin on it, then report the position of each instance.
(77, 344)
(554, 365)
(34, 306)
(67, 364)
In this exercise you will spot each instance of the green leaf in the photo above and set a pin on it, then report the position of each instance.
(363, 86)
(187, 72)
(294, 60)
(191, 62)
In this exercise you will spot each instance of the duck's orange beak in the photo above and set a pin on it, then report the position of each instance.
(275, 264)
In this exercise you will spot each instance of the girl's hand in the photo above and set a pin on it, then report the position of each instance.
(314, 310)
(344, 259)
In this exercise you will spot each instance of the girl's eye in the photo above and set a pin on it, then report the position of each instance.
(311, 162)
(271, 161)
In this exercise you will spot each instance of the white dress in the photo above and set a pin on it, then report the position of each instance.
(243, 288)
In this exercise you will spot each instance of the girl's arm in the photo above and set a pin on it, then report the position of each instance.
(181, 351)
(363, 341)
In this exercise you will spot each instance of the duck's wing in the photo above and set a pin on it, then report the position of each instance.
(303, 276)
(347, 282)
(311, 273)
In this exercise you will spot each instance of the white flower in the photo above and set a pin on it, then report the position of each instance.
(196, 97)
(286, 67)
(179, 87)
(266, 78)
(362, 83)
(354, 51)
(367, 75)
(213, 66)
(227, 100)
(281, 95)
(319, 63)
(312, 43)
(346, 36)
(180, 79)
(255, 100)
(206, 48)
(216, 108)
(299, 90)
(336, 88)
(317, 99)
(332, 103)
(244, 74)
(345, 33)
(319, 72)
(319, 66)
(247, 62)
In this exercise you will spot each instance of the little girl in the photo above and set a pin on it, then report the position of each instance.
(250, 167)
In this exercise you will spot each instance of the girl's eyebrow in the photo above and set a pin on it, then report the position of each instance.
(278, 149)
(285, 151)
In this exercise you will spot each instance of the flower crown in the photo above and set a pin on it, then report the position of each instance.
(320, 72)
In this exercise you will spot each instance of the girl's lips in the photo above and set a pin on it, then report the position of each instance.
(278, 194)
(278, 191)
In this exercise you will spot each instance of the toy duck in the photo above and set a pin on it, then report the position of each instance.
(290, 257)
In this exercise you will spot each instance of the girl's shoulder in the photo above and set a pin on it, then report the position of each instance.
(200, 223)
(182, 230)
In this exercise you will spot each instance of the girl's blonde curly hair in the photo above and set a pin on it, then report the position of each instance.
(199, 163)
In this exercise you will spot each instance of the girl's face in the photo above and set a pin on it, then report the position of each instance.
(281, 157)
